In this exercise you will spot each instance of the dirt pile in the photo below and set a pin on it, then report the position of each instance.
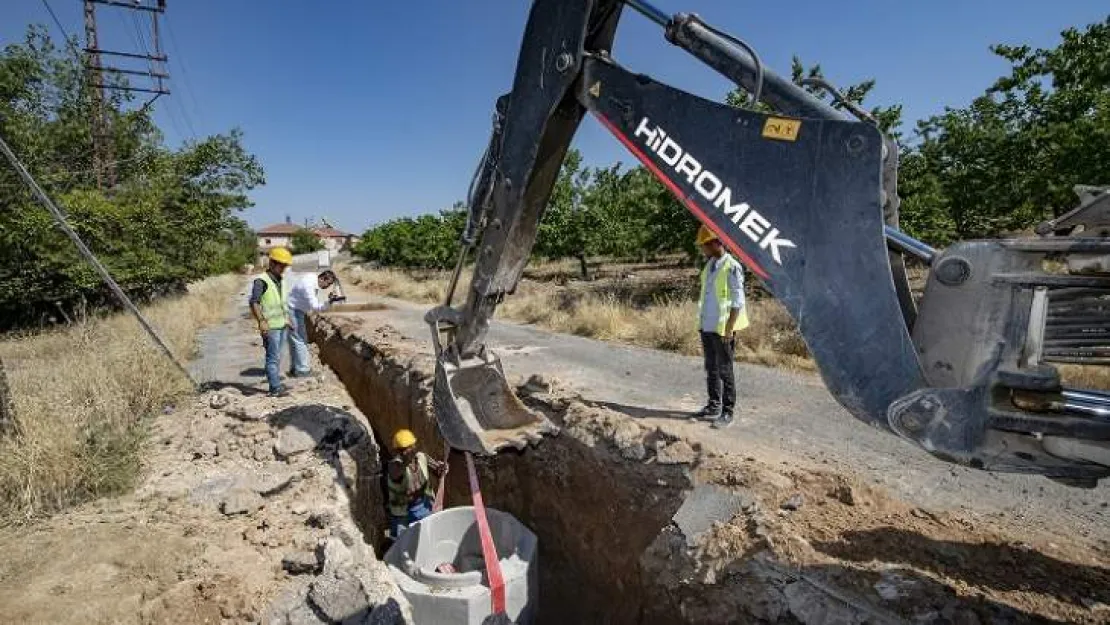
(637, 524)
(252, 511)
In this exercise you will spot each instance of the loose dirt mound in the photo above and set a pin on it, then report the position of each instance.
(251, 511)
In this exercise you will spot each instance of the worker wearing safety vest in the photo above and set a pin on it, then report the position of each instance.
(721, 313)
(269, 304)
(408, 480)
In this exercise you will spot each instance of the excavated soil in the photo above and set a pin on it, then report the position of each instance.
(251, 510)
(639, 525)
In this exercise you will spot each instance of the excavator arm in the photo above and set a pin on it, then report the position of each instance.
(806, 198)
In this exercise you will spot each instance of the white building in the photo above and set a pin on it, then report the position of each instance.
(281, 235)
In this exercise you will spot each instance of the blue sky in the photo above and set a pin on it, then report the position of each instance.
(363, 111)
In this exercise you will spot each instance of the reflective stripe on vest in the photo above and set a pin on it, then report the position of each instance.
(720, 287)
(274, 301)
(399, 498)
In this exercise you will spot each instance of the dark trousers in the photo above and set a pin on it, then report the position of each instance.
(719, 374)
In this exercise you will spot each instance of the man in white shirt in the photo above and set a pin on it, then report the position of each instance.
(721, 313)
(303, 300)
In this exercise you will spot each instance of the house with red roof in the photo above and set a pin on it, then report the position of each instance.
(281, 235)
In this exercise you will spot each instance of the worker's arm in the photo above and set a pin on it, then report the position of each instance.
(314, 301)
(255, 303)
(437, 466)
(735, 298)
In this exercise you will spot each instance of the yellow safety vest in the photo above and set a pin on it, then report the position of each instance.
(274, 302)
(720, 287)
(418, 480)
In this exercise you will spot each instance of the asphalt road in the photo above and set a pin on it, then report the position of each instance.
(789, 415)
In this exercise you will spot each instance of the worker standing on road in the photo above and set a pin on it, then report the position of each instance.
(409, 482)
(303, 300)
(721, 312)
(269, 304)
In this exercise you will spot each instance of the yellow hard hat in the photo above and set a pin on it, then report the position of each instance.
(281, 255)
(705, 235)
(403, 439)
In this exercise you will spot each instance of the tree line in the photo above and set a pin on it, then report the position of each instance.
(171, 217)
(997, 166)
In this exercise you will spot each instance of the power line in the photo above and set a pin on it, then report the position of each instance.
(58, 23)
(139, 31)
(185, 116)
(184, 71)
(141, 43)
(130, 32)
(173, 121)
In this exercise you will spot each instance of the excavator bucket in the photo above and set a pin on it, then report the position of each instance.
(477, 410)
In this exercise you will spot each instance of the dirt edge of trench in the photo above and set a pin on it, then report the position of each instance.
(639, 525)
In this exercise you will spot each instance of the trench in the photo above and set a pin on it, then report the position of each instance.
(594, 512)
(637, 525)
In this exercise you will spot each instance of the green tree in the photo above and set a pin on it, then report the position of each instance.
(889, 118)
(1011, 158)
(305, 241)
(171, 218)
(575, 224)
(427, 241)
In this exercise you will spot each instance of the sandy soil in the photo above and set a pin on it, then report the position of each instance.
(245, 504)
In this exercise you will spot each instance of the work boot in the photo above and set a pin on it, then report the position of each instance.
(707, 413)
(281, 391)
(722, 421)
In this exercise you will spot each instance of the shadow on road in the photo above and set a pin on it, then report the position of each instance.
(1003, 567)
(640, 412)
(246, 389)
(253, 372)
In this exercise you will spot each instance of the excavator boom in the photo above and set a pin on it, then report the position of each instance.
(806, 198)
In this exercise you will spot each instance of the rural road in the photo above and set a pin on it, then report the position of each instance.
(789, 417)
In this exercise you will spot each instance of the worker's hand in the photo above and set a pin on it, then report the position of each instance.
(263, 329)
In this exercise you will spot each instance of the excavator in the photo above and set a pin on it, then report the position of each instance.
(805, 195)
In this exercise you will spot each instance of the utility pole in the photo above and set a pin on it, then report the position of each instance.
(100, 86)
(102, 144)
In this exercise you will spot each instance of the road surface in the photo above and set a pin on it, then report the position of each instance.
(789, 416)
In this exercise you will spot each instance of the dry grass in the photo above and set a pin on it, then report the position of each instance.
(400, 284)
(608, 312)
(81, 394)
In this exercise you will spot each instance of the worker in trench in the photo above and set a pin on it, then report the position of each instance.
(302, 301)
(408, 479)
(721, 313)
(269, 304)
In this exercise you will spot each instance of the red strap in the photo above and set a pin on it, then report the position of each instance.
(489, 552)
(438, 505)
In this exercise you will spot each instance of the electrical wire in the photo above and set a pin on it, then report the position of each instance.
(184, 71)
(58, 23)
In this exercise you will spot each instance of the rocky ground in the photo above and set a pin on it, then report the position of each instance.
(249, 512)
(260, 510)
(646, 517)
